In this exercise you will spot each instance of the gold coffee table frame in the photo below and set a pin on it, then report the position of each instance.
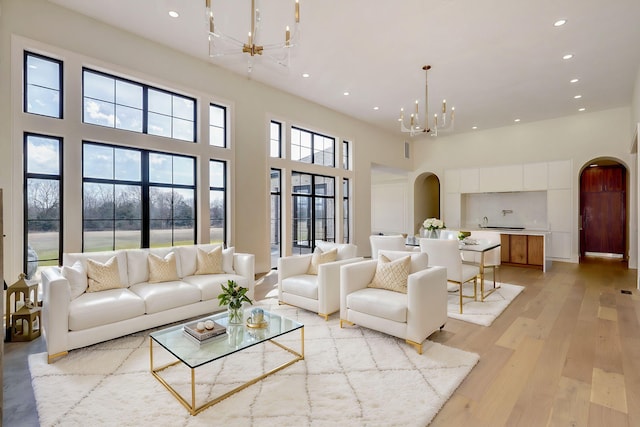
(191, 406)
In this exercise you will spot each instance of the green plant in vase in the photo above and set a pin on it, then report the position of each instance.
(233, 296)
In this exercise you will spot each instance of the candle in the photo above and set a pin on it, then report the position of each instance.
(287, 37)
(297, 11)
(435, 118)
(249, 42)
(444, 106)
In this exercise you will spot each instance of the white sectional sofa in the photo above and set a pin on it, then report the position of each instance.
(73, 318)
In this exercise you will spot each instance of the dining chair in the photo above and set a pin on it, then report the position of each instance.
(390, 242)
(446, 253)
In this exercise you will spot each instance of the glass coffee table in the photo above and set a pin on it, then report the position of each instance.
(192, 353)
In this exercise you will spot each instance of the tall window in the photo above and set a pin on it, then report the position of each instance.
(135, 198)
(275, 139)
(217, 125)
(276, 216)
(311, 147)
(313, 198)
(42, 202)
(345, 211)
(123, 104)
(42, 85)
(217, 201)
(346, 155)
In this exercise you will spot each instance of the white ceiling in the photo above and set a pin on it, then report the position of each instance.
(494, 60)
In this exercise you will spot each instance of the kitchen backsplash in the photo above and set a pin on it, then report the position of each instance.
(517, 209)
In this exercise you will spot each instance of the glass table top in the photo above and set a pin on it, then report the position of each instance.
(237, 337)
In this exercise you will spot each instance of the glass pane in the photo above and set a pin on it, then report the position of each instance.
(217, 215)
(97, 161)
(275, 228)
(275, 139)
(159, 102)
(127, 164)
(128, 234)
(160, 233)
(128, 118)
(275, 181)
(305, 139)
(183, 130)
(99, 87)
(98, 205)
(216, 116)
(324, 186)
(216, 136)
(305, 155)
(129, 94)
(184, 234)
(160, 168)
(216, 174)
(43, 72)
(183, 108)
(295, 152)
(159, 125)
(183, 207)
(43, 155)
(183, 170)
(97, 240)
(161, 204)
(43, 101)
(43, 202)
(43, 247)
(128, 206)
(300, 183)
(98, 113)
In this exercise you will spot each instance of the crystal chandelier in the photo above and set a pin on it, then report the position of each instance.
(414, 119)
(221, 44)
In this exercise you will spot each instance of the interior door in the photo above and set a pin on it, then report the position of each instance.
(603, 210)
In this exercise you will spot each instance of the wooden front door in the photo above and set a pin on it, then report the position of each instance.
(603, 210)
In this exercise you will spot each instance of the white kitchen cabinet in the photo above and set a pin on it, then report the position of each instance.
(534, 176)
(559, 245)
(559, 174)
(501, 178)
(452, 209)
(469, 180)
(452, 181)
(559, 210)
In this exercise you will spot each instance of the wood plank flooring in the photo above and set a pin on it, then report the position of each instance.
(566, 352)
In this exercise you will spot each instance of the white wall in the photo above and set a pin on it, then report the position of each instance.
(46, 26)
(581, 138)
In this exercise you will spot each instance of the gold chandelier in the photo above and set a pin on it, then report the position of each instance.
(221, 44)
(414, 119)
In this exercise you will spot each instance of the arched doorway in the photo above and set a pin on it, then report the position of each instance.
(603, 209)
(426, 204)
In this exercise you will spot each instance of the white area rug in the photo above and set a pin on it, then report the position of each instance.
(478, 312)
(351, 376)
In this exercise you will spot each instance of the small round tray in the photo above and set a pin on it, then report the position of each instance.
(262, 324)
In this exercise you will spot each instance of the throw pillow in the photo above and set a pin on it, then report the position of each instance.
(227, 260)
(209, 262)
(162, 269)
(77, 277)
(391, 275)
(320, 257)
(103, 276)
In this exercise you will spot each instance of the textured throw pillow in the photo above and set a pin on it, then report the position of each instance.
(103, 276)
(392, 275)
(77, 278)
(209, 262)
(320, 257)
(162, 269)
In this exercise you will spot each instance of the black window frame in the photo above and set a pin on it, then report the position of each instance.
(275, 224)
(25, 82)
(278, 141)
(225, 197)
(224, 125)
(315, 135)
(346, 210)
(313, 197)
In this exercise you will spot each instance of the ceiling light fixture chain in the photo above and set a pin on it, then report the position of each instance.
(221, 44)
(414, 119)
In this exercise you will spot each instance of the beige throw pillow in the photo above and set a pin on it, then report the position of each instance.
(209, 262)
(103, 276)
(392, 275)
(162, 269)
(320, 257)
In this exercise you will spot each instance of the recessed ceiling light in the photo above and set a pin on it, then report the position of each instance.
(173, 14)
(577, 97)
(376, 108)
(559, 22)
(346, 93)
(516, 120)
(581, 109)
(568, 56)
(474, 127)
(574, 80)
(306, 75)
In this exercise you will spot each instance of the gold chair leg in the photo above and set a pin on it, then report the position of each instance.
(417, 346)
(342, 321)
(324, 316)
(460, 298)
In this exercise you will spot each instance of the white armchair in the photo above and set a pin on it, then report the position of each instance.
(412, 316)
(391, 243)
(319, 292)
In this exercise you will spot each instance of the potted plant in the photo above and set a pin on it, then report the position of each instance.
(233, 296)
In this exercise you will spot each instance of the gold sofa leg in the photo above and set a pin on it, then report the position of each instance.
(417, 346)
(342, 321)
(324, 316)
(51, 357)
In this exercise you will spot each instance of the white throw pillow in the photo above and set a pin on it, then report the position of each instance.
(77, 277)
(320, 257)
(227, 260)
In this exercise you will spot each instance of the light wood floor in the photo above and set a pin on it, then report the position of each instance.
(566, 352)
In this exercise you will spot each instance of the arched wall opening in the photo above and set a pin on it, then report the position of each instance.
(426, 191)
